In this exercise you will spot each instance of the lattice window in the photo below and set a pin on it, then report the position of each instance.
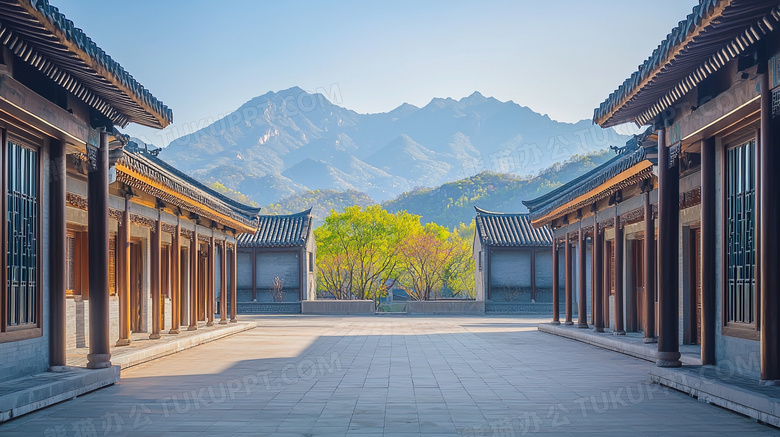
(70, 261)
(22, 231)
(740, 244)
(775, 103)
(112, 265)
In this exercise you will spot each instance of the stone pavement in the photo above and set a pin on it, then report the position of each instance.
(405, 376)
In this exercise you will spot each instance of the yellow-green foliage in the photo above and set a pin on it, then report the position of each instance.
(361, 253)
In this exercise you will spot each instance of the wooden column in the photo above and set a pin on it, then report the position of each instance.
(582, 312)
(223, 291)
(619, 325)
(649, 268)
(533, 275)
(568, 281)
(210, 289)
(175, 257)
(605, 280)
(769, 219)
(123, 275)
(57, 256)
(234, 284)
(99, 356)
(668, 254)
(597, 259)
(194, 282)
(555, 303)
(155, 261)
(708, 237)
(254, 274)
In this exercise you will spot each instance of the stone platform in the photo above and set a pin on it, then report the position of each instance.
(629, 344)
(142, 349)
(23, 395)
(719, 385)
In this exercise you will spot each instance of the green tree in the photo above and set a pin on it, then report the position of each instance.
(358, 251)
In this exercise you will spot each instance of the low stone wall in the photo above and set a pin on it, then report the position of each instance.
(332, 306)
(267, 308)
(544, 308)
(445, 307)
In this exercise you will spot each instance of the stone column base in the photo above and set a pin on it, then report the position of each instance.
(98, 361)
(668, 359)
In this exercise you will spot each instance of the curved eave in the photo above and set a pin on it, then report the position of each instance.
(510, 230)
(636, 173)
(85, 63)
(137, 180)
(714, 34)
(279, 231)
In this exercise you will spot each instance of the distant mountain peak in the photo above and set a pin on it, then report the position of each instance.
(475, 97)
(290, 140)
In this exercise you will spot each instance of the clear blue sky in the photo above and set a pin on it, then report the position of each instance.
(204, 58)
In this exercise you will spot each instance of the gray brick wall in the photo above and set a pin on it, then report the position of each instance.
(77, 322)
(244, 270)
(510, 268)
(544, 269)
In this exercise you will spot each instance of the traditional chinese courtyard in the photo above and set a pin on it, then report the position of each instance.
(314, 375)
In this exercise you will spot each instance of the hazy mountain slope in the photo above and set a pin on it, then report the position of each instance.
(320, 201)
(453, 202)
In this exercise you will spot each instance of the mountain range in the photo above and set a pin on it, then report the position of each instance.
(290, 142)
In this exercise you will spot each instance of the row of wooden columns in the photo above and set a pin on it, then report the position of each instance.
(601, 287)
(667, 257)
(196, 285)
(98, 197)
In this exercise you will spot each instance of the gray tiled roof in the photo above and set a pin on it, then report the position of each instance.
(632, 154)
(713, 34)
(42, 36)
(150, 165)
(279, 231)
(510, 230)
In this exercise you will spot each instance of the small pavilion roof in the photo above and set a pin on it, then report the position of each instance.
(510, 230)
(279, 231)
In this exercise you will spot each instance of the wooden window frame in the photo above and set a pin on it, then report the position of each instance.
(70, 255)
(748, 331)
(25, 332)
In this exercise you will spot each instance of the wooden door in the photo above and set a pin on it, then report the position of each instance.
(694, 264)
(638, 279)
(165, 282)
(201, 290)
(136, 285)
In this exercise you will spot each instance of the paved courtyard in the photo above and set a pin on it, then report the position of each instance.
(405, 376)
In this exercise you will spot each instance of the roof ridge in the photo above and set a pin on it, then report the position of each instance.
(481, 211)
